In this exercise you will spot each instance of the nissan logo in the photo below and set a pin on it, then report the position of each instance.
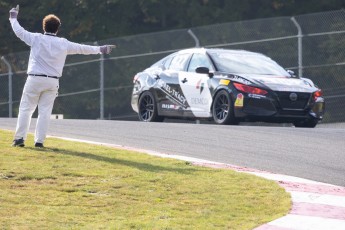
(293, 96)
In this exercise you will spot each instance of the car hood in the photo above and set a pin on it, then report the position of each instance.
(279, 83)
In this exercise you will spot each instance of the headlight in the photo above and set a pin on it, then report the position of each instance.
(249, 89)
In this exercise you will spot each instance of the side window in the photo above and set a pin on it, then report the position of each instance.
(178, 63)
(165, 62)
(199, 60)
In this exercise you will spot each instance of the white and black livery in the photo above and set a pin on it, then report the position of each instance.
(228, 86)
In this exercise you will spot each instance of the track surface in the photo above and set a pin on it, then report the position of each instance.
(317, 154)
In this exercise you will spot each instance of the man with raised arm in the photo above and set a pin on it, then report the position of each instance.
(47, 58)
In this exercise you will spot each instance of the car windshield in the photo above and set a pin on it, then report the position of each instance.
(246, 63)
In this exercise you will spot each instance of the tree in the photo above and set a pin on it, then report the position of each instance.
(89, 20)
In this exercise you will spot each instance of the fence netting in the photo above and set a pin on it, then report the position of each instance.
(100, 87)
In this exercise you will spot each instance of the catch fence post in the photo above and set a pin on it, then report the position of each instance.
(10, 99)
(196, 40)
(300, 54)
(101, 86)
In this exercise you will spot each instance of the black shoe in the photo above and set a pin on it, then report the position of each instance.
(39, 145)
(18, 143)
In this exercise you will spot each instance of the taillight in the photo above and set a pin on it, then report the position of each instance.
(317, 94)
(135, 78)
(249, 89)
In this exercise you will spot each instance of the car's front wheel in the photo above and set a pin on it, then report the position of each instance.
(223, 109)
(148, 108)
(306, 124)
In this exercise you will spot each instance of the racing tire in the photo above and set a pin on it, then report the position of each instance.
(223, 109)
(148, 108)
(311, 123)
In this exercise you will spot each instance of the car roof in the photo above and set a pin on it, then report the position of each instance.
(203, 50)
(219, 50)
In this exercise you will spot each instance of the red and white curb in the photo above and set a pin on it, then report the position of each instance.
(315, 205)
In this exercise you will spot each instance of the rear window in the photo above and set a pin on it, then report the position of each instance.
(179, 62)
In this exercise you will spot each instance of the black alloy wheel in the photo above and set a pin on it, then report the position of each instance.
(148, 108)
(223, 109)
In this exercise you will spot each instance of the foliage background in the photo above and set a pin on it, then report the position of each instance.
(146, 30)
(90, 20)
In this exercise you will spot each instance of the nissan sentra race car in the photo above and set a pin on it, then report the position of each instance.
(227, 86)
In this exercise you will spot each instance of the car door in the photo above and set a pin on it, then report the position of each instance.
(195, 86)
(172, 102)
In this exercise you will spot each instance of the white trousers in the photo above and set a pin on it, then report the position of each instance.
(41, 92)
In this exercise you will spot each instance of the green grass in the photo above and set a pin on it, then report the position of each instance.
(72, 185)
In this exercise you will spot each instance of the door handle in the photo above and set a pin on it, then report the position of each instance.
(184, 80)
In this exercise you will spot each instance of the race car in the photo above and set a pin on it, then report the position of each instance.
(226, 86)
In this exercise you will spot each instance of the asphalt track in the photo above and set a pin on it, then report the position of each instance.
(317, 154)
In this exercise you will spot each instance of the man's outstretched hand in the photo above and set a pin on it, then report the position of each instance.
(106, 49)
(14, 12)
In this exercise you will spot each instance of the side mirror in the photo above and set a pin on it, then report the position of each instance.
(204, 70)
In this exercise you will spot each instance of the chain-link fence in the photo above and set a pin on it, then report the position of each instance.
(99, 87)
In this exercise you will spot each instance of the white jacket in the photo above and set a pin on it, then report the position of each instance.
(48, 52)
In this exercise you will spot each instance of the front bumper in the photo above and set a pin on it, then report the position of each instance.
(261, 108)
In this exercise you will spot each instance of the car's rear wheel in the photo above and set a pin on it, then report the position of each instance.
(223, 109)
(148, 108)
(311, 123)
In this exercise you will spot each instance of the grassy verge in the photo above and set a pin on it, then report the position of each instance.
(72, 185)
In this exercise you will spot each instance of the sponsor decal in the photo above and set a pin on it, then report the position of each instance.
(282, 89)
(200, 85)
(256, 96)
(172, 94)
(170, 106)
(199, 101)
(240, 79)
(239, 100)
(224, 82)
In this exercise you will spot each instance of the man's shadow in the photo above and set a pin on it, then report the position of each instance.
(113, 160)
